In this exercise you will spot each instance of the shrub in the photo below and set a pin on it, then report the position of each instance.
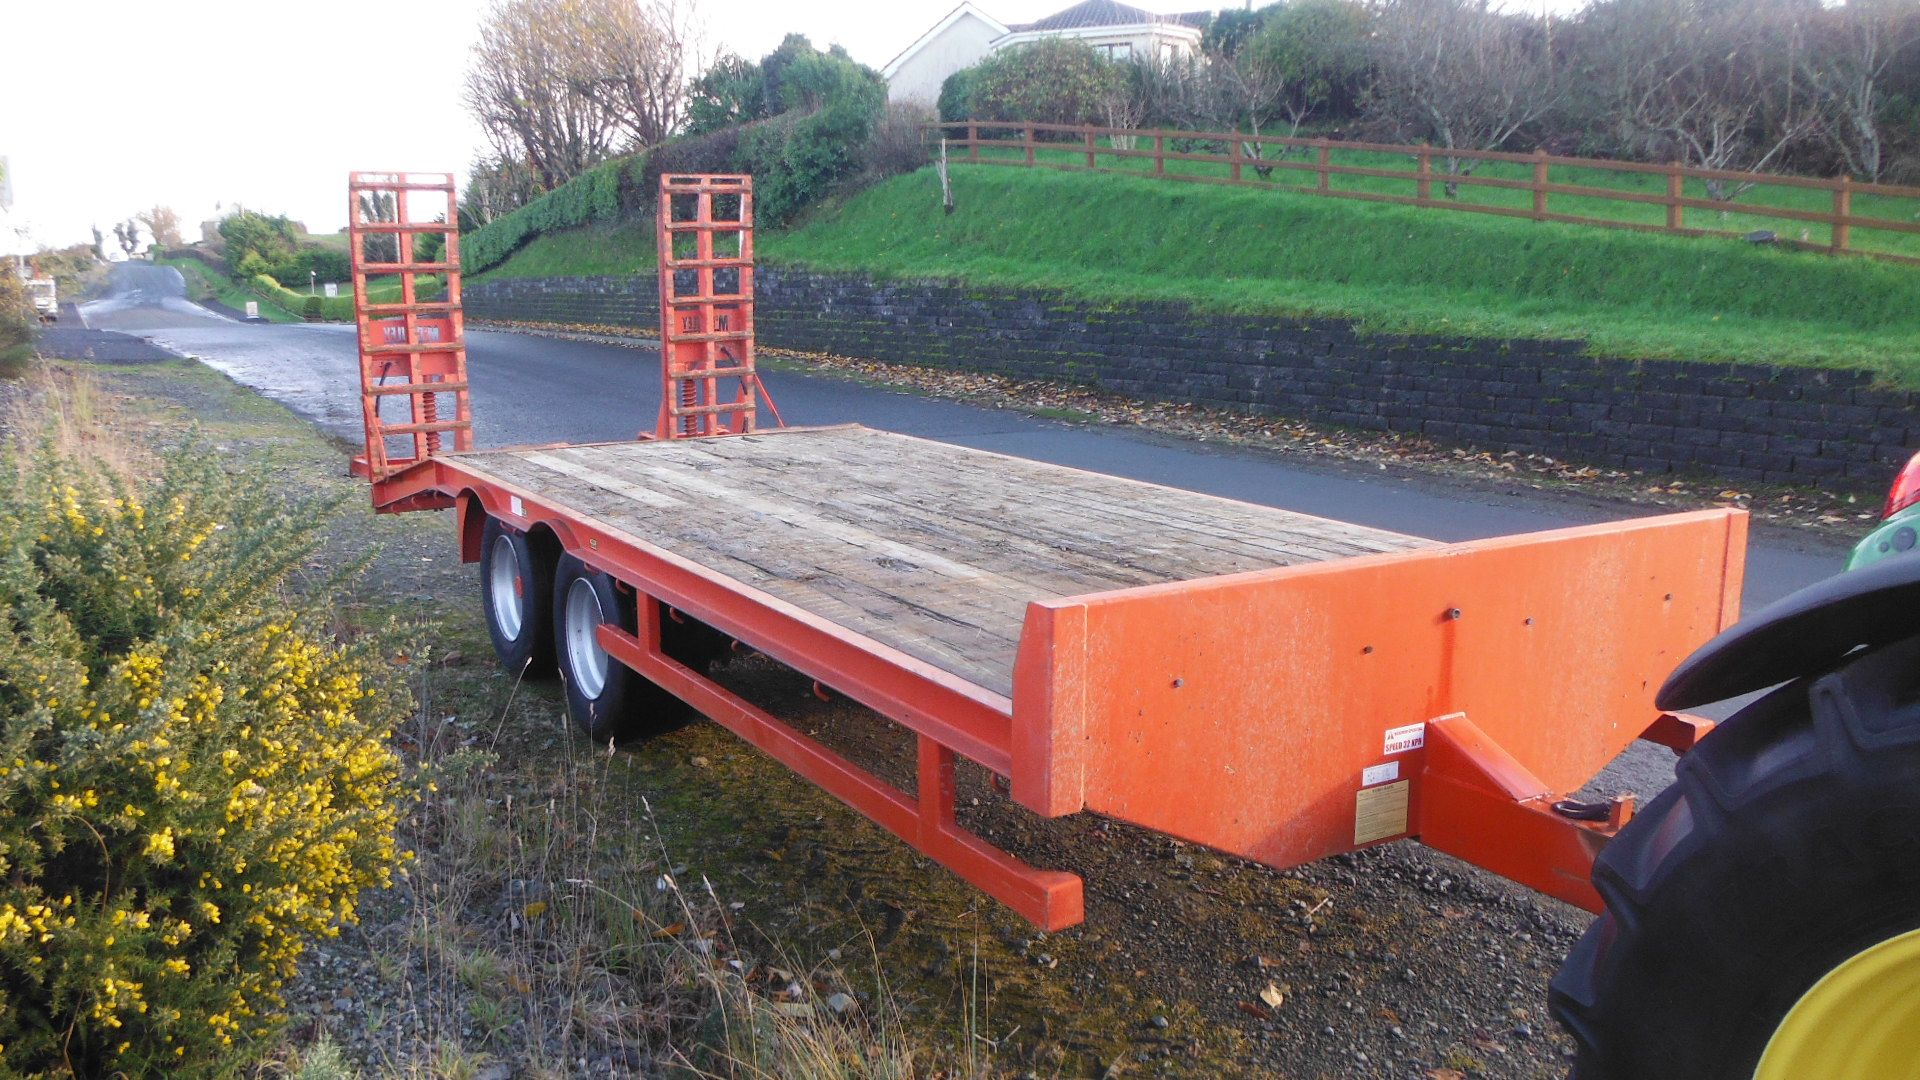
(1054, 81)
(322, 263)
(900, 144)
(310, 309)
(956, 96)
(271, 238)
(16, 325)
(797, 159)
(194, 777)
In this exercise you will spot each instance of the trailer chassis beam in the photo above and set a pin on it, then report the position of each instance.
(1481, 805)
(1050, 899)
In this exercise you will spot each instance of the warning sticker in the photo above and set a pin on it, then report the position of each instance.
(516, 507)
(1379, 774)
(1402, 739)
(1380, 812)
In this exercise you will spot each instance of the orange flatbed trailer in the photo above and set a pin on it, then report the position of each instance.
(1274, 685)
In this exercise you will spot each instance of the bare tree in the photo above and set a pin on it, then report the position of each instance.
(379, 247)
(564, 84)
(1249, 86)
(1849, 52)
(643, 56)
(496, 186)
(1461, 74)
(163, 223)
(127, 233)
(1713, 83)
(1123, 100)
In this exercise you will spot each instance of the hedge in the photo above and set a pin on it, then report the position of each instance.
(332, 309)
(601, 194)
(615, 190)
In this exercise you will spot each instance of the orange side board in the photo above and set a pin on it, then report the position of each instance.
(1265, 713)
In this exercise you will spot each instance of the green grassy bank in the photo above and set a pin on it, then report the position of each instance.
(1106, 238)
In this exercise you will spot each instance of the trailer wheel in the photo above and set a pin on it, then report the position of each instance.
(606, 699)
(516, 593)
(1763, 914)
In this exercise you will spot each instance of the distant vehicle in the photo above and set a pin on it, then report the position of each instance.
(45, 299)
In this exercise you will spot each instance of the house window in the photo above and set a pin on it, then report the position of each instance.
(1169, 52)
(1121, 51)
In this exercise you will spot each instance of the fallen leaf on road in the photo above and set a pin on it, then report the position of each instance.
(1274, 996)
(1256, 1010)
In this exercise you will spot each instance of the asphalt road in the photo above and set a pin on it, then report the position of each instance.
(533, 389)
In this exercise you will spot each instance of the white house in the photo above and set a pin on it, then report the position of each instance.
(967, 35)
(955, 42)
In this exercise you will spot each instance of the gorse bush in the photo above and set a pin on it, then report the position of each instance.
(194, 777)
(16, 325)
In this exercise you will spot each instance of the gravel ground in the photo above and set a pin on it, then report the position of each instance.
(494, 957)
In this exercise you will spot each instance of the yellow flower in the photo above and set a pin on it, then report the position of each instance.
(160, 845)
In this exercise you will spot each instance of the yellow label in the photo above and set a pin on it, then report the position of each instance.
(1380, 812)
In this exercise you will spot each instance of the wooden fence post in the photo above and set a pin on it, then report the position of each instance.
(1539, 184)
(973, 142)
(1676, 188)
(1235, 150)
(1423, 187)
(1159, 152)
(1842, 213)
(1090, 160)
(1326, 157)
(1028, 139)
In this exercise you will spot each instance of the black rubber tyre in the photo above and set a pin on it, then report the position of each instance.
(607, 700)
(1789, 842)
(516, 592)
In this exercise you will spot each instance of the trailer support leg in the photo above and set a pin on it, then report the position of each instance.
(1050, 899)
(1479, 804)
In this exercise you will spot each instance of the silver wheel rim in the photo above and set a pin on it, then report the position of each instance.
(503, 578)
(586, 660)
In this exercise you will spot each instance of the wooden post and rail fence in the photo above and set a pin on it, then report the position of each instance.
(1079, 147)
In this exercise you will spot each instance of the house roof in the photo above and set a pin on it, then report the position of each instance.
(1094, 13)
(965, 9)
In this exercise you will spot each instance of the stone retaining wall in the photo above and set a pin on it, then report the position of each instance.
(1833, 429)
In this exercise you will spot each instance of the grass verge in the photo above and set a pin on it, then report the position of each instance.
(205, 283)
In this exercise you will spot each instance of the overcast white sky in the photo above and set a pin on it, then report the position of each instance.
(113, 106)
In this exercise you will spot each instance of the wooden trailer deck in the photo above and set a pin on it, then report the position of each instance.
(932, 549)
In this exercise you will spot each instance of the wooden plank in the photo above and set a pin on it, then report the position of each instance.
(1189, 524)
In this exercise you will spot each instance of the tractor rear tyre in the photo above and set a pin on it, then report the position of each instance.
(1763, 914)
(516, 593)
(607, 700)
